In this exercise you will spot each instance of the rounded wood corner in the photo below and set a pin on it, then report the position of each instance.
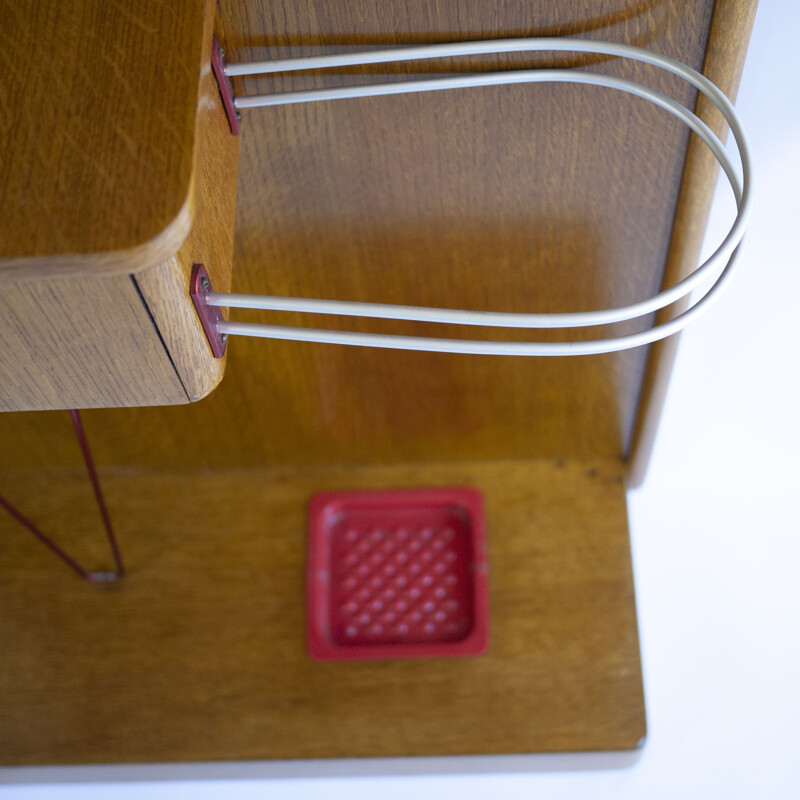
(208, 381)
(131, 260)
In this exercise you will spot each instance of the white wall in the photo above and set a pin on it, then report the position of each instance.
(715, 534)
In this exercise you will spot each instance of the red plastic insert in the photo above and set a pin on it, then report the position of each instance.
(397, 574)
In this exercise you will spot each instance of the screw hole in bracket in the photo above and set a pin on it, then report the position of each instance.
(225, 86)
(199, 288)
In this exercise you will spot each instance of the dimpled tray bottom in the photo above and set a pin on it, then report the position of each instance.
(396, 574)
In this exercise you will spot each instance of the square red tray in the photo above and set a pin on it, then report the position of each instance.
(396, 574)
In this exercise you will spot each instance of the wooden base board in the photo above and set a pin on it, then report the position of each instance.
(200, 654)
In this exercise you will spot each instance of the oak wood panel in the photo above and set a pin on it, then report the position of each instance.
(97, 120)
(295, 403)
(80, 343)
(200, 653)
(725, 55)
(68, 342)
(210, 241)
(512, 198)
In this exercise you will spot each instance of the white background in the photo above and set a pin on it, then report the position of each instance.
(715, 539)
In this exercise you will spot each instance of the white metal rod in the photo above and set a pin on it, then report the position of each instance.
(461, 49)
(579, 319)
(713, 266)
(482, 347)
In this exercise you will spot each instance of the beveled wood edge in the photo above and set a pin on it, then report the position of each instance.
(729, 35)
(121, 262)
(164, 288)
(164, 292)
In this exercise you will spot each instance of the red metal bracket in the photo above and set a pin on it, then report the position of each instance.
(225, 86)
(199, 287)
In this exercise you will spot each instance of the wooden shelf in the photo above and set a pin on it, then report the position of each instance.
(117, 179)
(200, 653)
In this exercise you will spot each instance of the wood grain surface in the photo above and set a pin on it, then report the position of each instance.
(725, 55)
(520, 198)
(97, 118)
(200, 653)
(510, 198)
(165, 288)
(103, 338)
(77, 343)
(515, 198)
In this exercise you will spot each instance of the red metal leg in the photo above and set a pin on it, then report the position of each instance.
(95, 577)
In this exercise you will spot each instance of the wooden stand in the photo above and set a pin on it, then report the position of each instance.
(200, 653)
(509, 198)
